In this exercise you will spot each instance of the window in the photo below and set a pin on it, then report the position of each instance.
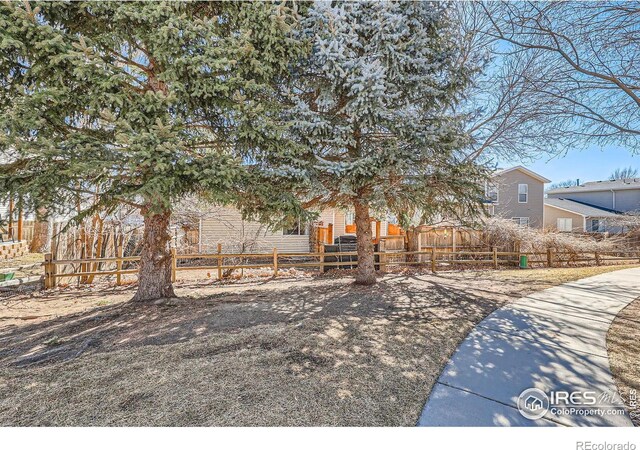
(491, 209)
(564, 224)
(350, 223)
(597, 226)
(350, 218)
(523, 193)
(522, 221)
(299, 229)
(491, 193)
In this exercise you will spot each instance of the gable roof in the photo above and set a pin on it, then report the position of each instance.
(523, 169)
(594, 186)
(580, 208)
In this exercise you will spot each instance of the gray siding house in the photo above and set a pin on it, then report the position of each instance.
(616, 195)
(517, 194)
(593, 206)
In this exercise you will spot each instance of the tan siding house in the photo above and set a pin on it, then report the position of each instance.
(518, 194)
(224, 225)
(563, 220)
(562, 214)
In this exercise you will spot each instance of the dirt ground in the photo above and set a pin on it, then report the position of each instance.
(318, 351)
(623, 346)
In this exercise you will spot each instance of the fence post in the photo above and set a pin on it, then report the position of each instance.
(549, 257)
(495, 257)
(119, 254)
(219, 261)
(433, 259)
(20, 223)
(597, 255)
(49, 271)
(321, 258)
(10, 216)
(275, 262)
(174, 264)
(330, 233)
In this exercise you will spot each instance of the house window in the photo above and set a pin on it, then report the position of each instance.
(491, 192)
(565, 224)
(299, 229)
(491, 209)
(523, 193)
(597, 226)
(350, 218)
(522, 221)
(350, 222)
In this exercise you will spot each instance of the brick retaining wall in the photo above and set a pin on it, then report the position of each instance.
(10, 250)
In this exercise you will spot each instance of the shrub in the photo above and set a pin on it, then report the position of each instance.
(506, 234)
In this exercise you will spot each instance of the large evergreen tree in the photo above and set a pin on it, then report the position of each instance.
(140, 103)
(373, 106)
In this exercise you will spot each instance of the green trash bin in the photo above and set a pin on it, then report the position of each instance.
(524, 261)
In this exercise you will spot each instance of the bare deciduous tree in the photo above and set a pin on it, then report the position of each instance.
(565, 183)
(623, 172)
(506, 119)
(584, 59)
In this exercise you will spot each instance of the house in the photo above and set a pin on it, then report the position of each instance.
(225, 225)
(517, 193)
(593, 206)
(572, 216)
(616, 195)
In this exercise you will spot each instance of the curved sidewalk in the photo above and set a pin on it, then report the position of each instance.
(553, 340)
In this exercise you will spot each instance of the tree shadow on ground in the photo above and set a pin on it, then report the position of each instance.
(399, 298)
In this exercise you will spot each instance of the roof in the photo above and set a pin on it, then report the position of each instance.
(580, 208)
(594, 186)
(523, 169)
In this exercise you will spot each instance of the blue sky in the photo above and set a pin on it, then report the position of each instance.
(591, 164)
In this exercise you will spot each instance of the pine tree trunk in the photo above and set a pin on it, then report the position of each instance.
(366, 273)
(40, 241)
(413, 243)
(154, 276)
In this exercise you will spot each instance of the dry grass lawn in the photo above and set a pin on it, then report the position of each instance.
(304, 352)
(29, 258)
(623, 346)
(23, 264)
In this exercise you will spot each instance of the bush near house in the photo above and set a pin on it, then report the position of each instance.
(504, 233)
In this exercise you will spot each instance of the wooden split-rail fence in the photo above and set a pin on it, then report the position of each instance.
(435, 259)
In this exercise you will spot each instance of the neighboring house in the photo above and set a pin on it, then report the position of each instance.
(616, 195)
(572, 216)
(592, 206)
(517, 194)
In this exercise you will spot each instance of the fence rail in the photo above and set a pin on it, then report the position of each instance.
(434, 259)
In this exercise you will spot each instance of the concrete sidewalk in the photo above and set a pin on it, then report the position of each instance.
(553, 340)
